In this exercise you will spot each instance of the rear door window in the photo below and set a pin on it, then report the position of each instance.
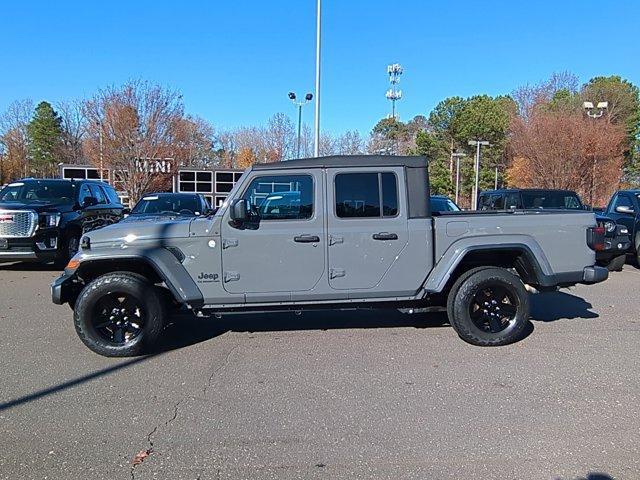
(366, 195)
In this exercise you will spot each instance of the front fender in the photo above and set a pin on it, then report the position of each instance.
(164, 263)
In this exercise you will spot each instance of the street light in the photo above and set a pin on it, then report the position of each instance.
(458, 156)
(307, 98)
(477, 144)
(588, 109)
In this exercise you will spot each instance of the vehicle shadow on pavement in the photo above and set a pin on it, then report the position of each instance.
(29, 267)
(552, 306)
(184, 330)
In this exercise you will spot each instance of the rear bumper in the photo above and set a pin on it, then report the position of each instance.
(594, 274)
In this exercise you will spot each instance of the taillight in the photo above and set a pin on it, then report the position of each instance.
(595, 238)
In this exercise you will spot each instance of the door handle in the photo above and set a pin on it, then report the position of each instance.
(306, 239)
(385, 236)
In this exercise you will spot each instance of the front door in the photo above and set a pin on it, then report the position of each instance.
(282, 249)
(367, 225)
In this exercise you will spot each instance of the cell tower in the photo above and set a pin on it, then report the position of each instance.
(394, 70)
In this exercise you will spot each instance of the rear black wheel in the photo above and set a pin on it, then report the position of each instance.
(119, 314)
(489, 307)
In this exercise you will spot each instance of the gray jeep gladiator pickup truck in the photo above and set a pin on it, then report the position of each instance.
(334, 232)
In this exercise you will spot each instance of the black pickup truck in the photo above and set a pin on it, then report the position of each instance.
(617, 235)
(42, 219)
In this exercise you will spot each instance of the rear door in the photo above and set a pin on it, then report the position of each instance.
(367, 225)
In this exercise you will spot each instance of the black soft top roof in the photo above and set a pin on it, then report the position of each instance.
(347, 161)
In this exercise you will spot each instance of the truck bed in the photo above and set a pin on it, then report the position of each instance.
(557, 237)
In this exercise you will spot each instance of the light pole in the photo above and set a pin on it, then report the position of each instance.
(316, 144)
(307, 98)
(458, 156)
(477, 144)
(99, 125)
(589, 110)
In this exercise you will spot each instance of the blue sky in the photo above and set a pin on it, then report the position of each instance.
(234, 62)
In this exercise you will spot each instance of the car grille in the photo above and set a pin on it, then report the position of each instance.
(17, 223)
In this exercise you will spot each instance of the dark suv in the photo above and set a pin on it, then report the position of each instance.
(624, 208)
(43, 220)
(617, 237)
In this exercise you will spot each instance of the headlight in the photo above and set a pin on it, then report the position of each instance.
(51, 220)
(610, 226)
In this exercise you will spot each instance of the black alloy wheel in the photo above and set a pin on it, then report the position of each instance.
(118, 318)
(493, 309)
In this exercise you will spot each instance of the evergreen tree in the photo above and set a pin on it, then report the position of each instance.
(45, 139)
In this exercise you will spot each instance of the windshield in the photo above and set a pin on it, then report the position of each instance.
(168, 204)
(553, 200)
(441, 204)
(39, 191)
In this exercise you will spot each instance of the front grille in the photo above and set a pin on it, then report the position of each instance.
(17, 223)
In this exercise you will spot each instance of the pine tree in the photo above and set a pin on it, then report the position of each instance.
(45, 139)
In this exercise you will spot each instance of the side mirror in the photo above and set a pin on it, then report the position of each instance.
(239, 212)
(625, 209)
(89, 202)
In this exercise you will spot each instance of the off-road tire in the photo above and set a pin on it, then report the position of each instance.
(456, 286)
(151, 299)
(461, 297)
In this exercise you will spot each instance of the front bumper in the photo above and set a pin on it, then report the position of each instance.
(613, 247)
(65, 288)
(41, 247)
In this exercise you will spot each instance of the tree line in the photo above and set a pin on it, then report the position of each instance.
(539, 136)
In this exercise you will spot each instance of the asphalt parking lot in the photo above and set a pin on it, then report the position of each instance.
(324, 395)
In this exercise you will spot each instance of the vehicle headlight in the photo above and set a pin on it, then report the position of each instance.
(610, 226)
(51, 220)
(624, 230)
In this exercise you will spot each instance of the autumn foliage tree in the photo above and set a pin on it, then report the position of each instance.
(566, 150)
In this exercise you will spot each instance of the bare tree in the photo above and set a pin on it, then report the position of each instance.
(529, 97)
(138, 125)
(14, 140)
(193, 142)
(73, 131)
(279, 137)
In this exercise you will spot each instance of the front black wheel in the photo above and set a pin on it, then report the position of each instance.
(489, 307)
(119, 314)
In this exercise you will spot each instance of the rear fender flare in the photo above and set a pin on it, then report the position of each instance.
(457, 251)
